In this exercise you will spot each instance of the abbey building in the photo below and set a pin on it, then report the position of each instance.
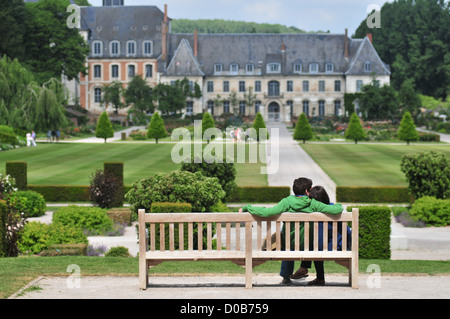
(279, 75)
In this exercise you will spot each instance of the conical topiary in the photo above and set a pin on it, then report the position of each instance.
(303, 130)
(104, 128)
(156, 128)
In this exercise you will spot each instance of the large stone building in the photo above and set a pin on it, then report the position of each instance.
(279, 75)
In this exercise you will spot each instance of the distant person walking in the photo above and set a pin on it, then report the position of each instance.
(33, 138)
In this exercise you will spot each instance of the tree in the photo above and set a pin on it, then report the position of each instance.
(156, 128)
(112, 93)
(50, 47)
(303, 130)
(50, 112)
(378, 103)
(12, 19)
(355, 130)
(207, 122)
(104, 128)
(413, 41)
(407, 130)
(170, 98)
(409, 99)
(140, 96)
(257, 124)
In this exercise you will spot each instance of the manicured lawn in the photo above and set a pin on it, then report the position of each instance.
(366, 164)
(73, 164)
(15, 273)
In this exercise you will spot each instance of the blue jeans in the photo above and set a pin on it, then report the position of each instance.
(287, 268)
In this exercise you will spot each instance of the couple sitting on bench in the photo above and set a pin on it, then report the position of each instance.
(307, 199)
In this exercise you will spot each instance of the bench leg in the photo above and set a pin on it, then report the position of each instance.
(248, 256)
(353, 274)
(143, 274)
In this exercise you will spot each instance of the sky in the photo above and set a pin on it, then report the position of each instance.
(308, 15)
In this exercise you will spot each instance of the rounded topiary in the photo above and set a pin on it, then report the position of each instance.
(118, 252)
(31, 203)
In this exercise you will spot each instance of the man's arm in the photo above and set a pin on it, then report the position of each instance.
(317, 206)
(281, 207)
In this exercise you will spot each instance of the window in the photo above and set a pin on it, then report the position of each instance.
(131, 48)
(306, 107)
(211, 107)
(131, 71)
(305, 86)
(297, 68)
(337, 86)
(147, 48)
(242, 107)
(97, 71)
(189, 107)
(359, 85)
(321, 108)
(210, 86)
(329, 67)
(148, 71)
(97, 48)
(290, 86)
(97, 95)
(234, 67)
(249, 68)
(314, 68)
(226, 106)
(290, 104)
(115, 48)
(241, 86)
(257, 106)
(218, 67)
(257, 86)
(321, 86)
(114, 71)
(273, 68)
(367, 67)
(337, 107)
(274, 88)
(226, 86)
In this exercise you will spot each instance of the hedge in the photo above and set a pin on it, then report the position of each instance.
(62, 193)
(374, 232)
(116, 170)
(18, 170)
(387, 194)
(3, 211)
(259, 194)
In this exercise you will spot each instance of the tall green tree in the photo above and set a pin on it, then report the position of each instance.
(409, 99)
(355, 130)
(50, 47)
(407, 130)
(259, 123)
(104, 127)
(112, 94)
(303, 130)
(156, 128)
(12, 19)
(170, 98)
(50, 112)
(378, 103)
(414, 39)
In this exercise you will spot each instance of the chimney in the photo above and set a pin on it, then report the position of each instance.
(195, 43)
(369, 35)
(346, 43)
(164, 35)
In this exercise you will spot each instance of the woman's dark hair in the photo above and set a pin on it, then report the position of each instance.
(301, 185)
(320, 194)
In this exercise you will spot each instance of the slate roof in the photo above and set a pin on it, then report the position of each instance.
(260, 49)
(123, 23)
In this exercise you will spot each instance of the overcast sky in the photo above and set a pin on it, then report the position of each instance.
(309, 15)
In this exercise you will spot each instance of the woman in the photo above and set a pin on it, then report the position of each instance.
(320, 194)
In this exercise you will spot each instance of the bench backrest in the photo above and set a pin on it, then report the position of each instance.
(231, 238)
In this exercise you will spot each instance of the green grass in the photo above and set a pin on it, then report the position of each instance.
(74, 163)
(366, 164)
(15, 273)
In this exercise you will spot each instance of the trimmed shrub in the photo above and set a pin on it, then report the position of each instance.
(303, 130)
(259, 194)
(62, 193)
(156, 128)
(432, 211)
(104, 127)
(355, 130)
(18, 171)
(93, 220)
(166, 207)
(31, 203)
(386, 194)
(35, 236)
(120, 215)
(65, 250)
(119, 251)
(116, 169)
(225, 172)
(428, 174)
(176, 187)
(374, 232)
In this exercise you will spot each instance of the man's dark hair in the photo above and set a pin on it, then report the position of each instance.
(319, 193)
(301, 185)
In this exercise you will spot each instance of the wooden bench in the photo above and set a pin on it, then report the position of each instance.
(243, 243)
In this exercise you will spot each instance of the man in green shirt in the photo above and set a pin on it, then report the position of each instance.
(300, 202)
